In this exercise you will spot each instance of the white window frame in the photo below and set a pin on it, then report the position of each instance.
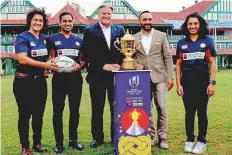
(172, 46)
(229, 46)
(221, 46)
(10, 49)
(2, 48)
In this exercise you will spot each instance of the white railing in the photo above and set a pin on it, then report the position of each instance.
(7, 40)
(178, 37)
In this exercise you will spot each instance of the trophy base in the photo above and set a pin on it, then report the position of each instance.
(128, 65)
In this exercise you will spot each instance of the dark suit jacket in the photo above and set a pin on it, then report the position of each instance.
(97, 53)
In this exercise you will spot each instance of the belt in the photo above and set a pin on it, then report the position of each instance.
(66, 74)
(27, 76)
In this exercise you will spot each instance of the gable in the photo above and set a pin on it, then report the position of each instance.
(220, 10)
(15, 9)
(121, 10)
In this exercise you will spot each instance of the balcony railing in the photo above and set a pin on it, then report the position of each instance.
(219, 37)
(7, 40)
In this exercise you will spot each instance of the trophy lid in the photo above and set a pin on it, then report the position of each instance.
(127, 36)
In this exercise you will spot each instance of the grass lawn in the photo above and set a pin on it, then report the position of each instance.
(219, 130)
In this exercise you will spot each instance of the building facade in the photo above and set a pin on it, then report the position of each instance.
(218, 14)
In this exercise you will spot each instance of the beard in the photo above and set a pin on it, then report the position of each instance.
(146, 28)
(66, 31)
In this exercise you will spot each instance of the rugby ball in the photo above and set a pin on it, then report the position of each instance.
(65, 64)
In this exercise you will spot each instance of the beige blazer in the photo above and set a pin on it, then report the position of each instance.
(159, 60)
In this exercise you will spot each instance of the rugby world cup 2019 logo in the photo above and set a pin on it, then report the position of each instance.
(134, 81)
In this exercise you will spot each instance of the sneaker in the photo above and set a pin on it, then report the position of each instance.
(188, 147)
(75, 144)
(199, 148)
(163, 144)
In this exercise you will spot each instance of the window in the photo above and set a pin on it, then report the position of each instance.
(13, 9)
(11, 49)
(21, 9)
(230, 46)
(26, 9)
(2, 48)
(220, 46)
(172, 46)
(9, 9)
(17, 9)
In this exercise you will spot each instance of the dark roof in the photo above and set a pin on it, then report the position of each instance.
(200, 7)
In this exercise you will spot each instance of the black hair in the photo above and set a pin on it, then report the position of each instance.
(146, 11)
(203, 30)
(32, 13)
(63, 14)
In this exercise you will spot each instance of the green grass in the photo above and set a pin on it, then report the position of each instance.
(219, 131)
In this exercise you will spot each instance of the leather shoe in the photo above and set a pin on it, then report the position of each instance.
(26, 151)
(58, 149)
(75, 144)
(96, 144)
(39, 148)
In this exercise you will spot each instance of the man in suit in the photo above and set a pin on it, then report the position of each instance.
(102, 58)
(154, 54)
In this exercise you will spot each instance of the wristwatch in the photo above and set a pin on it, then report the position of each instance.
(213, 82)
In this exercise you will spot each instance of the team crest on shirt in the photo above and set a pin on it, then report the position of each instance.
(202, 45)
(32, 44)
(40, 52)
(58, 43)
(77, 43)
(184, 46)
(45, 42)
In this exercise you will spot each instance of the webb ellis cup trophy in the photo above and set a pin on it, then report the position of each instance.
(128, 43)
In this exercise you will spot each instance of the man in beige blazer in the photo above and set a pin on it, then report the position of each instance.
(153, 54)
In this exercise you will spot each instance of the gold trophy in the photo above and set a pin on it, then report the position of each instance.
(128, 49)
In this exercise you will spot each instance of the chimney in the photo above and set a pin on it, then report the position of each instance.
(183, 7)
(196, 1)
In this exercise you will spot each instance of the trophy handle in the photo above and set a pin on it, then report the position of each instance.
(117, 42)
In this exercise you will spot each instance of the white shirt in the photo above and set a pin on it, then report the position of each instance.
(146, 41)
(107, 33)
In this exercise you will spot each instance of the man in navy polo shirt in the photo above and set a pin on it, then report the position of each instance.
(195, 77)
(67, 44)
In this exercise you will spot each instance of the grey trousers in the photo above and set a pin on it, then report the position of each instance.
(159, 92)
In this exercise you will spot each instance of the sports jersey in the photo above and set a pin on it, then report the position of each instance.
(69, 47)
(35, 48)
(195, 54)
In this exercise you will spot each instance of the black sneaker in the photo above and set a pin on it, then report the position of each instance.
(58, 149)
(75, 144)
(96, 144)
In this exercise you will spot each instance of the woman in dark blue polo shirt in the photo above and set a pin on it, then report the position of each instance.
(195, 77)
(30, 86)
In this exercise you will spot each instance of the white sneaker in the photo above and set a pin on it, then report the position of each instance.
(189, 147)
(199, 148)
